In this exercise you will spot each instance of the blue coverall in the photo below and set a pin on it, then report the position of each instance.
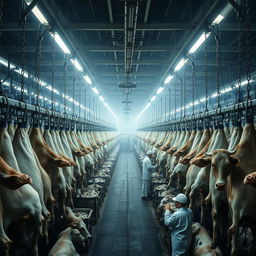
(181, 230)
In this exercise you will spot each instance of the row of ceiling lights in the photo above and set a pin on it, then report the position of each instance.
(57, 38)
(180, 65)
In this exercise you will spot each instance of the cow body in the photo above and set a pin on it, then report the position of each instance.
(230, 170)
(16, 204)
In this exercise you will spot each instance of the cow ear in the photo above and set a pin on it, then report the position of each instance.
(234, 160)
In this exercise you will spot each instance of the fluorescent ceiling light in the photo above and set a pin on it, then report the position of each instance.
(95, 90)
(199, 42)
(180, 64)
(38, 14)
(60, 42)
(153, 98)
(214, 95)
(87, 79)
(160, 89)
(148, 105)
(168, 79)
(218, 19)
(105, 104)
(101, 98)
(77, 65)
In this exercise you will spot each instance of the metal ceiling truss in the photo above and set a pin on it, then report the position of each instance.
(120, 27)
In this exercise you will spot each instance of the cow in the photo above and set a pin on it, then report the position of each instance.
(20, 203)
(27, 164)
(66, 243)
(51, 163)
(230, 170)
(205, 181)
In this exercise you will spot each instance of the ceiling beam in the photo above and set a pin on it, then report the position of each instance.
(150, 62)
(102, 48)
(120, 27)
(143, 73)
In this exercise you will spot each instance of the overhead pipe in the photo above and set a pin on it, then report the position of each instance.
(131, 14)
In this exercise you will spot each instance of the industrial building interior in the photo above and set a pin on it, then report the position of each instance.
(89, 87)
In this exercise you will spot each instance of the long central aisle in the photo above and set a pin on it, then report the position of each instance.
(127, 226)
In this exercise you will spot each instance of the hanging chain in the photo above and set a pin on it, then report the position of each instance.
(65, 83)
(1, 17)
(79, 97)
(37, 68)
(1, 31)
(181, 97)
(161, 109)
(184, 94)
(218, 56)
(169, 101)
(86, 113)
(248, 56)
(175, 100)
(206, 73)
(240, 49)
(165, 105)
(73, 95)
(190, 57)
(23, 41)
(89, 101)
(53, 73)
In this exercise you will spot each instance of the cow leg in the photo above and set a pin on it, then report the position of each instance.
(51, 204)
(233, 230)
(203, 206)
(191, 198)
(69, 198)
(214, 228)
(47, 216)
(37, 230)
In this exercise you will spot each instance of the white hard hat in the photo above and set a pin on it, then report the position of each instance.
(150, 152)
(180, 198)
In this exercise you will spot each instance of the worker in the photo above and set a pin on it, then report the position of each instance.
(180, 223)
(147, 169)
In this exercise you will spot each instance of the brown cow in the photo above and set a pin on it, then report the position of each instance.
(230, 169)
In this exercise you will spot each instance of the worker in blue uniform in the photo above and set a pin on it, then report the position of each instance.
(147, 169)
(180, 223)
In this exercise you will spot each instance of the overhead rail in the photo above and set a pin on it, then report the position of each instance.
(224, 116)
(7, 105)
(242, 105)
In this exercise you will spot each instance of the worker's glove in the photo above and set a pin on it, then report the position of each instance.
(167, 207)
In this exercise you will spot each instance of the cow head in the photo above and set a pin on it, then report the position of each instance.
(79, 224)
(222, 163)
(76, 223)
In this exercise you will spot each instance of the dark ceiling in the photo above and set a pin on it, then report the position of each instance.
(94, 32)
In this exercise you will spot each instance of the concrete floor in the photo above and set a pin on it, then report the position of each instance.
(127, 226)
